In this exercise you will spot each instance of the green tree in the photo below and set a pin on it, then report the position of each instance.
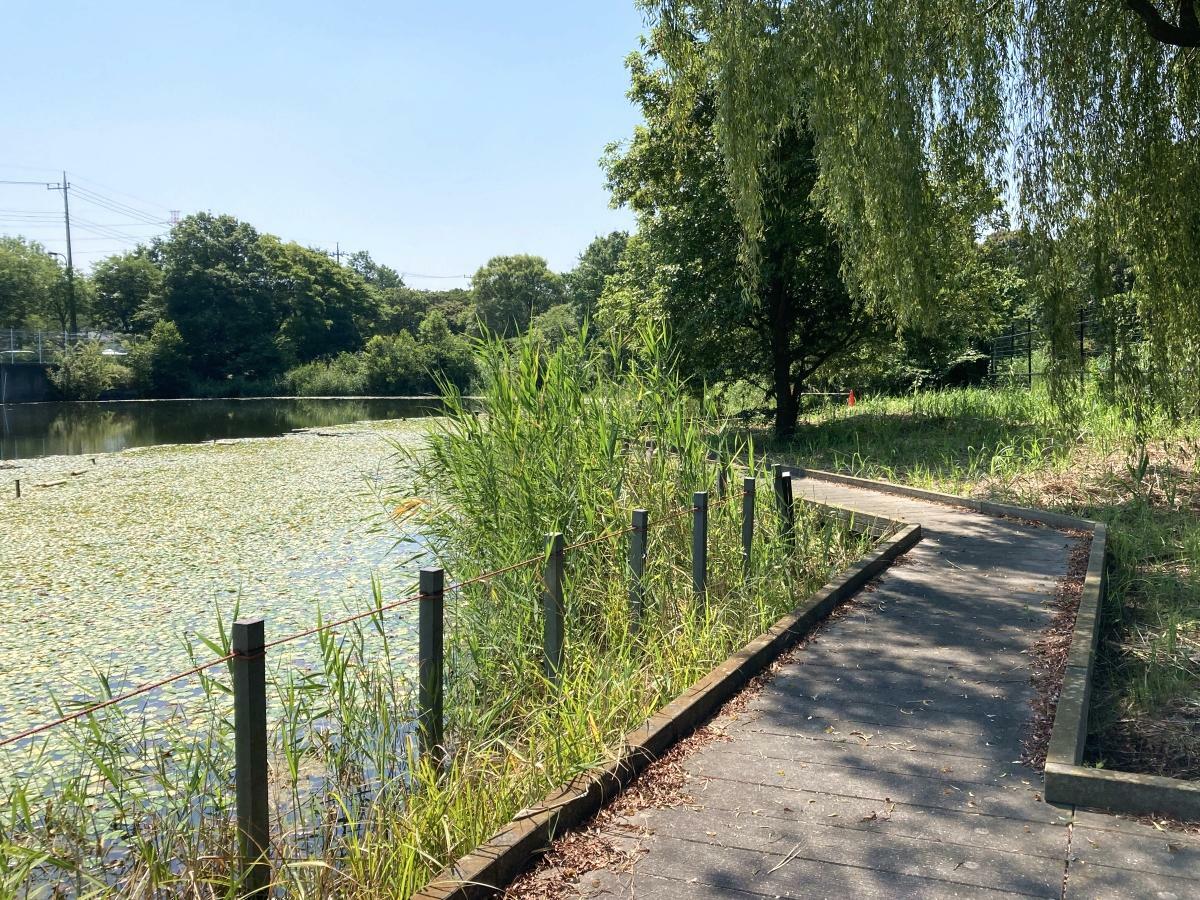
(319, 305)
(396, 364)
(1089, 113)
(160, 363)
(585, 283)
(376, 275)
(31, 284)
(778, 330)
(218, 290)
(127, 292)
(510, 290)
(448, 355)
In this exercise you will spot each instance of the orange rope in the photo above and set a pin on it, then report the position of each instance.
(113, 701)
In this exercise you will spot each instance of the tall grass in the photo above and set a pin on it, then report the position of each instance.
(1138, 473)
(138, 802)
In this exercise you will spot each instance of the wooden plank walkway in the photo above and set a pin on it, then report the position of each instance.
(884, 760)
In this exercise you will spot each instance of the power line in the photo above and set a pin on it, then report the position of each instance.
(116, 206)
(113, 190)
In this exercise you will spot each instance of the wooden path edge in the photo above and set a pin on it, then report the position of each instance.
(1067, 781)
(493, 865)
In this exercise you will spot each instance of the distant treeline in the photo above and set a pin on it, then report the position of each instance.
(219, 308)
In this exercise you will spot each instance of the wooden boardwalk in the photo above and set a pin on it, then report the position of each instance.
(884, 760)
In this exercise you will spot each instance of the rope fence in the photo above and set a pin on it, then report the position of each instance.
(247, 657)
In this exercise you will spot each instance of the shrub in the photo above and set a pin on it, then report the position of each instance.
(396, 364)
(160, 364)
(343, 375)
(84, 372)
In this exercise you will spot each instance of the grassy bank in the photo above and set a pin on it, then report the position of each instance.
(1009, 446)
(144, 809)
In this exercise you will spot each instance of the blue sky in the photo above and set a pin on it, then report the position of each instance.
(434, 135)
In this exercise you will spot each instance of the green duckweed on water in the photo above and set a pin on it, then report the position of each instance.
(111, 567)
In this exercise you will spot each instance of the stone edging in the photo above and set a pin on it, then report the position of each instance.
(494, 864)
(1067, 782)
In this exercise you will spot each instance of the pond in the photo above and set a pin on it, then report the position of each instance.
(110, 562)
(30, 430)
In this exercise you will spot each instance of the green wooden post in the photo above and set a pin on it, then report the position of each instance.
(748, 488)
(700, 545)
(430, 662)
(552, 609)
(780, 497)
(789, 501)
(249, 666)
(637, 568)
(784, 503)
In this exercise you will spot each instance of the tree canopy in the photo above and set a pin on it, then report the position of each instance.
(585, 283)
(127, 292)
(31, 282)
(510, 291)
(776, 330)
(1084, 117)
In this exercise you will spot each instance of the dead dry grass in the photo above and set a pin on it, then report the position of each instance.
(1049, 658)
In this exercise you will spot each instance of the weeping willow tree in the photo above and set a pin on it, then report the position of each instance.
(1082, 116)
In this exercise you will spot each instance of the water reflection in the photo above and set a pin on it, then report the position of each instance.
(51, 429)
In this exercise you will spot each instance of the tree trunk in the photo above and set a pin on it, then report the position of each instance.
(787, 406)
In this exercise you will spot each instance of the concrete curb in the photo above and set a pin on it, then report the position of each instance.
(1067, 782)
(490, 867)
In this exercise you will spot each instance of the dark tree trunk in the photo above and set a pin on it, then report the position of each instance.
(787, 406)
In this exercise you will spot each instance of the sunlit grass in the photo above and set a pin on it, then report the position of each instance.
(1141, 477)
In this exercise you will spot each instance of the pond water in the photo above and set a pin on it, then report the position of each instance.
(111, 564)
(31, 430)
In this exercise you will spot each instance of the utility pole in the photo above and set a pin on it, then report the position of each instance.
(72, 309)
(337, 252)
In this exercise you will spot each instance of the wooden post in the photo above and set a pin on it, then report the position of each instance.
(722, 482)
(1029, 352)
(789, 496)
(637, 567)
(700, 545)
(748, 488)
(18, 488)
(552, 609)
(249, 666)
(780, 498)
(783, 501)
(430, 662)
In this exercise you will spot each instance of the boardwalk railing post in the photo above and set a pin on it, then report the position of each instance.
(700, 545)
(722, 481)
(748, 487)
(789, 499)
(250, 754)
(430, 662)
(780, 498)
(552, 608)
(637, 567)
